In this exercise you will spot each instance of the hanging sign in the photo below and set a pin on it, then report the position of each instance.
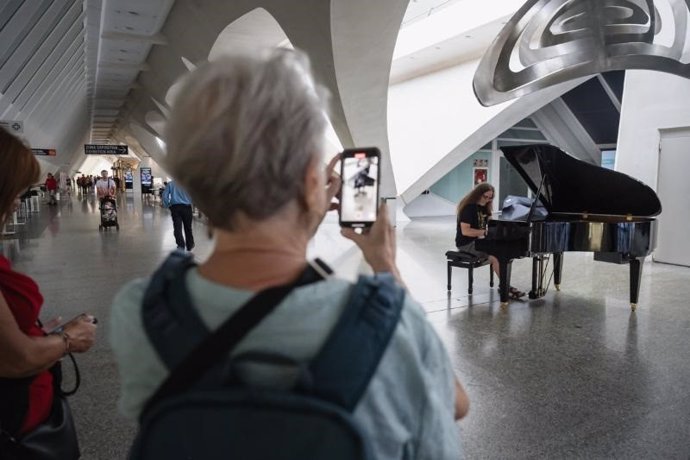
(44, 152)
(13, 126)
(105, 149)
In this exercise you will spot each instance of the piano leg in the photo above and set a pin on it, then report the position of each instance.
(635, 276)
(534, 292)
(557, 269)
(538, 269)
(504, 267)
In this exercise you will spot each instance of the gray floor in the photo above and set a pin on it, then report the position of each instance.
(573, 375)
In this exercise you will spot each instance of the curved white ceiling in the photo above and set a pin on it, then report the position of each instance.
(256, 29)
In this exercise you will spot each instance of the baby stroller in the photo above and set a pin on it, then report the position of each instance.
(108, 207)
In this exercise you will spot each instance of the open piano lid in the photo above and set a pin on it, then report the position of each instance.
(575, 187)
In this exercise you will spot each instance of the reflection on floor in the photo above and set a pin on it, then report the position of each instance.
(575, 374)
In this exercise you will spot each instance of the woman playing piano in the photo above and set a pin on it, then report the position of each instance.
(473, 212)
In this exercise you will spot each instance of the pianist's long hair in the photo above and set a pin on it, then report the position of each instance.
(475, 195)
(18, 171)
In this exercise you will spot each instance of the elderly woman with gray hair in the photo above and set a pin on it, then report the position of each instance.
(245, 139)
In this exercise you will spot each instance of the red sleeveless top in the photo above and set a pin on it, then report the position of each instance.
(25, 301)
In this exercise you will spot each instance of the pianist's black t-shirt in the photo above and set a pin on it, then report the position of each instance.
(475, 215)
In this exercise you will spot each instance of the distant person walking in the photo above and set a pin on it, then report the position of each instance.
(180, 204)
(51, 189)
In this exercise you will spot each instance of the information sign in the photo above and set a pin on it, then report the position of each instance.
(13, 126)
(44, 152)
(105, 149)
(146, 180)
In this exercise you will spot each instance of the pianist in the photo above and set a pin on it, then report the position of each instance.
(473, 214)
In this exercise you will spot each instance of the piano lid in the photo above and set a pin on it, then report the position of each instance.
(576, 187)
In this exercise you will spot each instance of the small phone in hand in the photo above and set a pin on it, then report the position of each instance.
(61, 327)
(360, 171)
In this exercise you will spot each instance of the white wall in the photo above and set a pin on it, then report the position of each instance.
(435, 122)
(651, 101)
(429, 205)
(429, 116)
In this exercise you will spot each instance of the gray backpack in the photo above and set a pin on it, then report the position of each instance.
(204, 411)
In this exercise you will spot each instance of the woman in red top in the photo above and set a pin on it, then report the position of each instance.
(26, 352)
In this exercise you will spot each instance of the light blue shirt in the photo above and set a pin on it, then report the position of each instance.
(173, 194)
(407, 409)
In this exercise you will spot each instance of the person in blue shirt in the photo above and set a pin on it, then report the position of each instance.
(180, 205)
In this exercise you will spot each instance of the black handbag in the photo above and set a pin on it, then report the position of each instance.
(56, 437)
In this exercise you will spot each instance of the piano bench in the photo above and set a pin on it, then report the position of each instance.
(469, 261)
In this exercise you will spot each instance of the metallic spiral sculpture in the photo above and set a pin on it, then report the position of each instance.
(552, 41)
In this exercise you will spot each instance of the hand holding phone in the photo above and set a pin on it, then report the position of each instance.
(360, 172)
(79, 333)
(377, 244)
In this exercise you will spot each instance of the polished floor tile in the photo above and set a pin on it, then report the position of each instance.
(572, 375)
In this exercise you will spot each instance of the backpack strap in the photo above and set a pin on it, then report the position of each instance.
(173, 327)
(216, 346)
(346, 363)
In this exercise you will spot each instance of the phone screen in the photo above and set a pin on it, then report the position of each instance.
(359, 196)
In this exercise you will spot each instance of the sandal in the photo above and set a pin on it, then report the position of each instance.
(515, 293)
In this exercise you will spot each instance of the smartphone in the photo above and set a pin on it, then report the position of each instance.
(61, 327)
(360, 171)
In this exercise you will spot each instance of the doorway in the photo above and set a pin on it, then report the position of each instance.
(673, 244)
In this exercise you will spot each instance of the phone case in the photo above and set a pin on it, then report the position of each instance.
(360, 172)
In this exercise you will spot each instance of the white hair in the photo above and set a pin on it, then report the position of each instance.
(242, 132)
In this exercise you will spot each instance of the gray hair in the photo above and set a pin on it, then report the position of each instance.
(242, 132)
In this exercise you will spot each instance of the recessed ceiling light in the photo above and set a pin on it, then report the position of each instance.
(468, 36)
(133, 13)
(129, 28)
(123, 51)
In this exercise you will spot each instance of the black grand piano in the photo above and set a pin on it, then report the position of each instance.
(590, 209)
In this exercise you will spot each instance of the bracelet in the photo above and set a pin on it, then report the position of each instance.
(66, 338)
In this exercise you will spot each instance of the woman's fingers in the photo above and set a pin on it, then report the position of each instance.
(81, 332)
(381, 226)
(333, 181)
(351, 234)
(88, 318)
(331, 164)
(333, 187)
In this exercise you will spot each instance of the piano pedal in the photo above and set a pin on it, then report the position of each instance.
(558, 287)
(633, 307)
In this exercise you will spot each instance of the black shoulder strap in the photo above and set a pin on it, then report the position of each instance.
(172, 326)
(218, 345)
(346, 363)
